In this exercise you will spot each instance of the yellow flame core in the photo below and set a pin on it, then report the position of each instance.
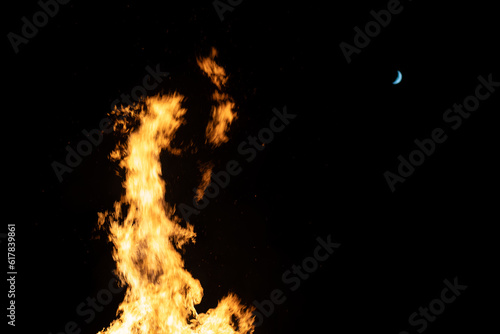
(161, 294)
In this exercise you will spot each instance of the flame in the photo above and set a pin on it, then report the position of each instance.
(161, 294)
(222, 113)
(206, 171)
(215, 72)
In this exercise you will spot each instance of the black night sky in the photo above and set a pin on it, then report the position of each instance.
(323, 176)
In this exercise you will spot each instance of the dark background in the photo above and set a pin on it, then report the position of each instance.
(323, 175)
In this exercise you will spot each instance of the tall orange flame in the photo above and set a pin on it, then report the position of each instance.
(161, 294)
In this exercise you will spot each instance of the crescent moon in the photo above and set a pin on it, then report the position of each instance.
(398, 79)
